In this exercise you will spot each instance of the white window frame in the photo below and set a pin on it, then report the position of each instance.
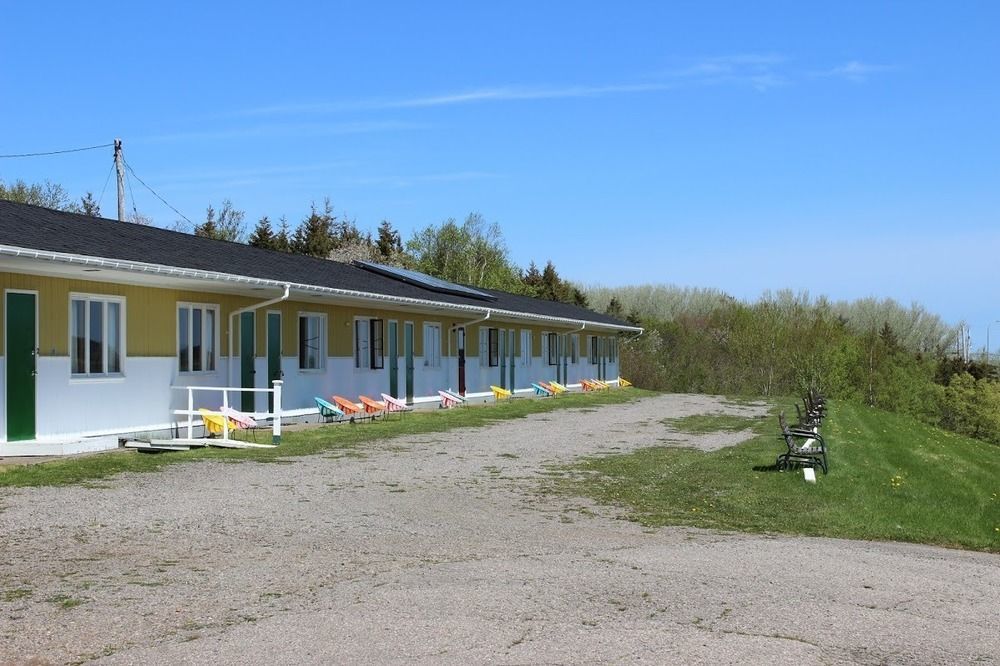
(364, 354)
(123, 319)
(204, 307)
(526, 343)
(321, 348)
(432, 359)
(574, 348)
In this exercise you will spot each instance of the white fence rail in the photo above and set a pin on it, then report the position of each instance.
(191, 412)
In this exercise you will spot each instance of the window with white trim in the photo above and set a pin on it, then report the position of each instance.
(97, 335)
(594, 349)
(525, 347)
(612, 348)
(574, 348)
(553, 350)
(312, 341)
(196, 337)
(432, 345)
(368, 344)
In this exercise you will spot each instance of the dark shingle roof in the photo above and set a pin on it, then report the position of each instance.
(36, 228)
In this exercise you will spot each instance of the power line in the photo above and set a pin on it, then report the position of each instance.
(131, 171)
(106, 181)
(58, 152)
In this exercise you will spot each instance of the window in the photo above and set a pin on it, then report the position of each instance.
(612, 349)
(553, 349)
(594, 349)
(97, 335)
(368, 344)
(196, 333)
(494, 347)
(312, 341)
(525, 347)
(574, 348)
(432, 345)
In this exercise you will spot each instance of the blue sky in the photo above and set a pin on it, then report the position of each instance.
(848, 149)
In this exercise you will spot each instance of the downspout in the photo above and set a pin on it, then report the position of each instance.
(249, 308)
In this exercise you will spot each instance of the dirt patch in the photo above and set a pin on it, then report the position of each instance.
(441, 549)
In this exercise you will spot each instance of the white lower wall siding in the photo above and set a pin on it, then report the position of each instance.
(143, 399)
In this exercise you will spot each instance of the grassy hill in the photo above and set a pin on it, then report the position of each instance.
(891, 478)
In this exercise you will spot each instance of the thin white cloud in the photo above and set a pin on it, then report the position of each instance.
(256, 172)
(758, 70)
(284, 130)
(495, 94)
(856, 71)
(408, 181)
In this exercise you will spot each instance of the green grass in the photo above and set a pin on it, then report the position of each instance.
(339, 440)
(891, 478)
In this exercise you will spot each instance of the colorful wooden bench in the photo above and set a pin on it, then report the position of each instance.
(372, 407)
(449, 399)
(500, 393)
(541, 390)
(327, 410)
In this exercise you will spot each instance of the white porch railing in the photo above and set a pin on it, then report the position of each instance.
(191, 412)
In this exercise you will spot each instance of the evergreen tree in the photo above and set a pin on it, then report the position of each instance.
(314, 237)
(615, 308)
(88, 206)
(389, 245)
(283, 239)
(532, 280)
(263, 235)
(208, 228)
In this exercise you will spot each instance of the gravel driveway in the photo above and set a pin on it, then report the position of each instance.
(439, 549)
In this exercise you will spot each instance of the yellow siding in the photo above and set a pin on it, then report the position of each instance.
(151, 319)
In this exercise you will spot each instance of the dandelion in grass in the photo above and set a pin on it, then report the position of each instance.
(896, 482)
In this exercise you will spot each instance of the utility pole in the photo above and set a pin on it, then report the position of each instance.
(119, 167)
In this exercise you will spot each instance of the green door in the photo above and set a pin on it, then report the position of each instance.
(564, 354)
(273, 354)
(393, 361)
(246, 360)
(510, 350)
(502, 353)
(408, 352)
(21, 370)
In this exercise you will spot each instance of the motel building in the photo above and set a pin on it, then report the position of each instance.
(107, 324)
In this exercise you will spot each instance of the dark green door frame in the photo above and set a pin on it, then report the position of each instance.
(273, 354)
(502, 353)
(247, 358)
(21, 323)
(408, 353)
(393, 360)
(510, 337)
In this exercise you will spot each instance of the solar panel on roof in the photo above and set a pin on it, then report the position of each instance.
(424, 280)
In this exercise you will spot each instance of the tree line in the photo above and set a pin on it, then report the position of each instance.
(472, 252)
(876, 352)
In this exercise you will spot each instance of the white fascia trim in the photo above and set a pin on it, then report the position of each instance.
(214, 276)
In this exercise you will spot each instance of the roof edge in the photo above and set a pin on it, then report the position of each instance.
(214, 276)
